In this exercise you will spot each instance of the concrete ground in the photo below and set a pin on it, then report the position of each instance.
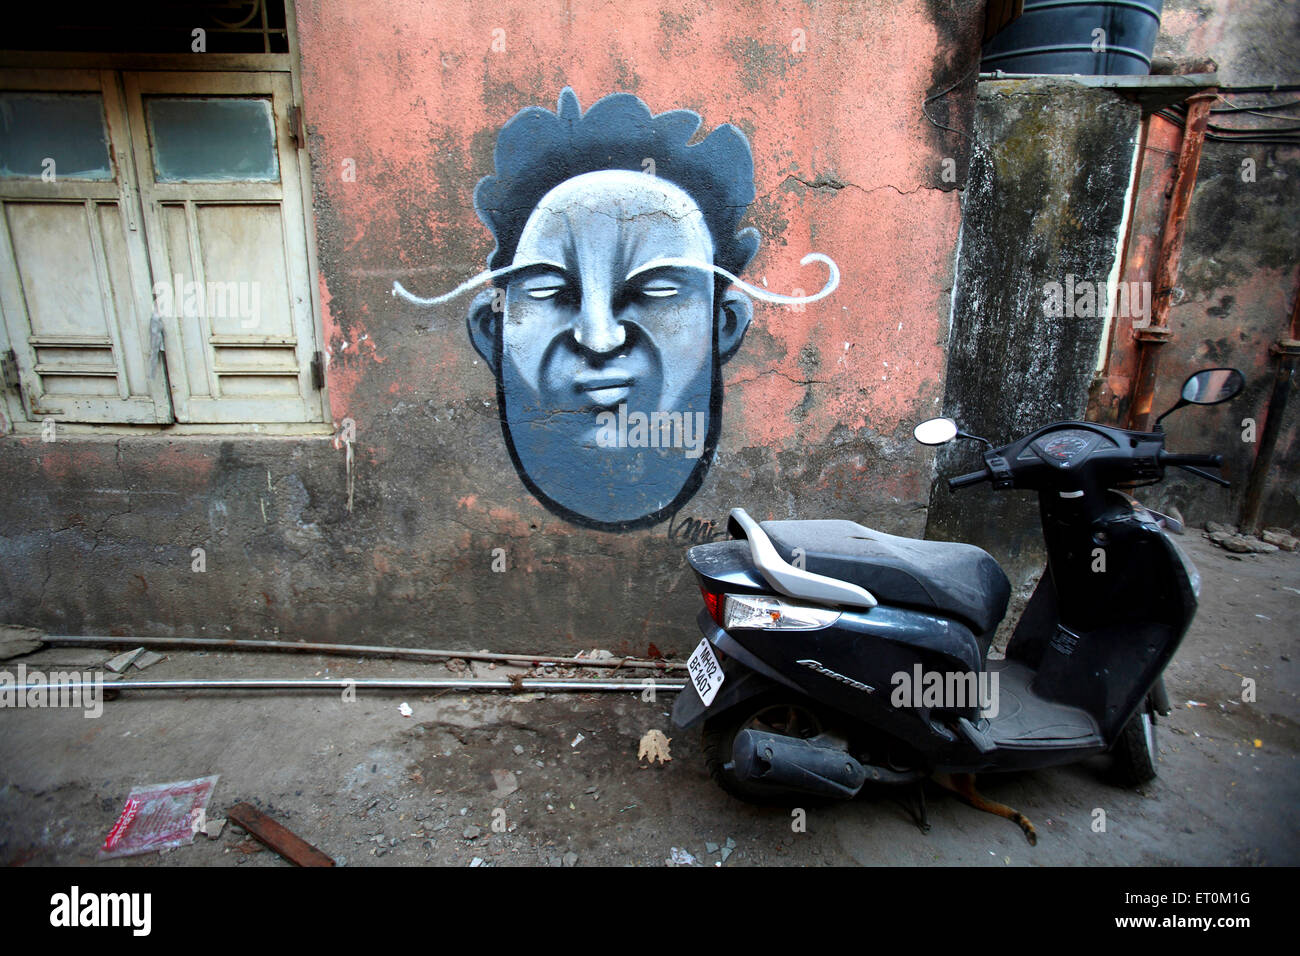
(371, 787)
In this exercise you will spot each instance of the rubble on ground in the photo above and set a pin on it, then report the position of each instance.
(1231, 539)
(16, 641)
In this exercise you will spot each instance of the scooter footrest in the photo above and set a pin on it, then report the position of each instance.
(1025, 720)
(978, 739)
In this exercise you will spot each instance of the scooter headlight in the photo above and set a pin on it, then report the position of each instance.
(758, 611)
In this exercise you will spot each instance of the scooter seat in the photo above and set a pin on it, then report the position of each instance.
(956, 580)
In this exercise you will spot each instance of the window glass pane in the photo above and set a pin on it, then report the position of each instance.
(55, 134)
(212, 139)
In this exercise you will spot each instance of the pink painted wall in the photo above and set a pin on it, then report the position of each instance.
(818, 404)
(411, 97)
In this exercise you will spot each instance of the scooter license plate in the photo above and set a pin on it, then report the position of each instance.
(706, 672)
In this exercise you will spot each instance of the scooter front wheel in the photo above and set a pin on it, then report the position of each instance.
(1135, 752)
(774, 713)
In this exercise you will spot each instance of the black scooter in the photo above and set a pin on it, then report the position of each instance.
(835, 656)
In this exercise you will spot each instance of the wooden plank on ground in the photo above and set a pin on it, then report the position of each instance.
(283, 841)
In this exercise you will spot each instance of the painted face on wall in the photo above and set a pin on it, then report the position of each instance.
(605, 352)
(589, 319)
(614, 300)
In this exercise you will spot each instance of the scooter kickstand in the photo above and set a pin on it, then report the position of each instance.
(916, 809)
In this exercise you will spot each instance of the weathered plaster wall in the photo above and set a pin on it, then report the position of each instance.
(1241, 263)
(1239, 276)
(403, 103)
(1044, 202)
(1240, 267)
(1252, 41)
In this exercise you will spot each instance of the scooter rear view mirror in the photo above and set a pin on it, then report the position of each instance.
(1209, 386)
(1213, 385)
(936, 431)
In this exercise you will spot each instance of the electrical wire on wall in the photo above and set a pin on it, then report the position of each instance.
(1249, 114)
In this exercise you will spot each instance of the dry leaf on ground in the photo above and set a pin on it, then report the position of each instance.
(654, 746)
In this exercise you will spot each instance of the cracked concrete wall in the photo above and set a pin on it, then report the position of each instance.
(1048, 176)
(443, 543)
(1049, 173)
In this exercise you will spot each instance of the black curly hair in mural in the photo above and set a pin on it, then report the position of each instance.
(537, 150)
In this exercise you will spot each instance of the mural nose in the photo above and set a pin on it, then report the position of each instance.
(597, 329)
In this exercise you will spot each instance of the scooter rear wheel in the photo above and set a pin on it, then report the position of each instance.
(773, 712)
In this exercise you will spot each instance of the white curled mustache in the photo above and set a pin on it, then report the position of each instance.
(757, 292)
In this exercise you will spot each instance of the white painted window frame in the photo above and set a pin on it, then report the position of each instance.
(15, 417)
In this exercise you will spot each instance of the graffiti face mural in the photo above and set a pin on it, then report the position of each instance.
(614, 300)
(602, 354)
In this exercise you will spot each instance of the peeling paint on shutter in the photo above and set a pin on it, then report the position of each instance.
(74, 281)
(228, 243)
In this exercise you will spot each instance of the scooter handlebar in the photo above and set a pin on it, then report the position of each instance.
(965, 481)
(1128, 456)
(1206, 461)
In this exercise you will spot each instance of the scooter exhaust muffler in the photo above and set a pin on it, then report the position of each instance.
(794, 764)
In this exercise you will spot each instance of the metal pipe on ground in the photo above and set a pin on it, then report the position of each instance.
(353, 650)
(525, 685)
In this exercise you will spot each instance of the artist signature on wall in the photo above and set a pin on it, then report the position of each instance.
(695, 530)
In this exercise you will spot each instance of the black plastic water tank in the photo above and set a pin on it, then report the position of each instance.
(1060, 36)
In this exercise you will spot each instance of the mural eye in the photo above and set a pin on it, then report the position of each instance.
(545, 292)
(659, 290)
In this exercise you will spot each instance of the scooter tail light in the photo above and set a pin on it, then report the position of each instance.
(761, 612)
(714, 603)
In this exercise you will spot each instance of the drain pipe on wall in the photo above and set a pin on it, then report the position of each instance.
(1157, 332)
(1287, 352)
